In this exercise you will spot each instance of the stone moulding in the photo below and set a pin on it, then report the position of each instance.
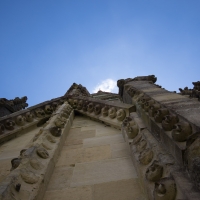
(159, 173)
(32, 170)
(172, 120)
(17, 123)
(111, 113)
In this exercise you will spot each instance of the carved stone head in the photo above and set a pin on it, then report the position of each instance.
(54, 105)
(97, 109)
(160, 114)
(182, 131)
(48, 109)
(143, 100)
(146, 156)
(147, 104)
(131, 91)
(141, 146)
(154, 171)
(104, 111)
(121, 114)
(20, 120)
(90, 107)
(85, 104)
(42, 152)
(126, 121)
(9, 124)
(169, 121)
(15, 162)
(153, 108)
(29, 117)
(39, 113)
(55, 131)
(112, 112)
(165, 189)
(59, 123)
(132, 131)
(192, 150)
(75, 103)
(80, 104)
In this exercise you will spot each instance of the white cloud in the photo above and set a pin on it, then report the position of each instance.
(107, 85)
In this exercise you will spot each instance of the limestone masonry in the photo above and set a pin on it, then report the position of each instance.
(142, 143)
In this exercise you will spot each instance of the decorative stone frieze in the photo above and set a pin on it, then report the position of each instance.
(112, 113)
(16, 123)
(35, 163)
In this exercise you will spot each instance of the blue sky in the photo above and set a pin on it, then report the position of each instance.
(47, 45)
